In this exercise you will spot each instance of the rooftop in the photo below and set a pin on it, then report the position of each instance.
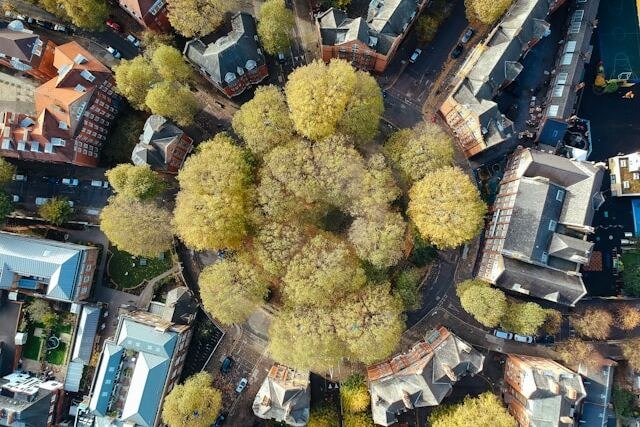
(284, 396)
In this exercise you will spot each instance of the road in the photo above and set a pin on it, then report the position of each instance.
(408, 85)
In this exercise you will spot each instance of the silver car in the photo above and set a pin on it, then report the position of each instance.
(467, 35)
(241, 385)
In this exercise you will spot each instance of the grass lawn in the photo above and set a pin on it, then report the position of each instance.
(31, 349)
(121, 263)
(631, 272)
(56, 357)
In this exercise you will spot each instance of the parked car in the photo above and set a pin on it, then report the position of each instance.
(15, 198)
(41, 201)
(18, 177)
(523, 338)
(502, 334)
(59, 27)
(115, 52)
(467, 35)
(113, 25)
(227, 364)
(220, 420)
(281, 57)
(70, 181)
(414, 56)
(70, 202)
(134, 40)
(457, 51)
(241, 385)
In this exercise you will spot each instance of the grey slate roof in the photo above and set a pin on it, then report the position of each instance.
(424, 382)
(284, 396)
(105, 378)
(17, 44)
(54, 263)
(596, 410)
(180, 306)
(541, 282)
(232, 54)
(386, 20)
(535, 206)
(86, 334)
(158, 135)
(74, 376)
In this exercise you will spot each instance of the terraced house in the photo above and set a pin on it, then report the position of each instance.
(74, 112)
(368, 43)
(536, 240)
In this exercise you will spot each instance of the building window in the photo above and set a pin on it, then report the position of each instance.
(625, 185)
(623, 163)
(552, 225)
(613, 178)
(560, 195)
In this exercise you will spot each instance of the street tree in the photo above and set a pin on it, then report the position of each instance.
(151, 39)
(485, 303)
(324, 271)
(7, 170)
(446, 208)
(305, 338)
(276, 243)
(196, 18)
(370, 323)
(170, 65)
(484, 410)
(135, 182)
(628, 317)
(140, 228)
(57, 210)
(354, 394)
(486, 11)
(275, 26)
(406, 286)
(594, 323)
(89, 14)
(379, 239)
(172, 100)
(264, 121)
(231, 289)
(325, 99)
(418, 151)
(195, 403)
(631, 352)
(574, 351)
(553, 322)
(134, 78)
(214, 198)
(524, 318)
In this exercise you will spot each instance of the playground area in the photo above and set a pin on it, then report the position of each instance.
(619, 35)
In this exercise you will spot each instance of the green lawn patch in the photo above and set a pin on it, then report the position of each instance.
(631, 273)
(31, 349)
(56, 356)
(125, 275)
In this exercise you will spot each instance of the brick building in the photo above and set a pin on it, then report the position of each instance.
(369, 44)
(24, 51)
(151, 14)
(233, 62)
(74, 112)
(163, 146)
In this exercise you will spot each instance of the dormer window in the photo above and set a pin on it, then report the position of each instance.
(560, 195)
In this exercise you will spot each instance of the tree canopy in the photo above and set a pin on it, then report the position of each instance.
(418, 151)
(196, 18)
(135, 182)
(379, 239)
(446, 208)
(264, 122)
(524, 318)
(323, 416)
(486, 304)
(168, 62)
(172, 100)
(354, 394)
(324, 271)
(486, 11)
(631, 352)
(593, 323)
(196, 403)
(628, 317)
(7, 170)
(334, 98)
(57, 210)
(140, 228)
(484, 410)
(275, 26)
(213, 202)
(89, 14)
(575, 351)
(231, 289)
(134, 78)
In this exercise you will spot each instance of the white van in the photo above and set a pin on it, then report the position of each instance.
(19, 177)
(95, 183)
